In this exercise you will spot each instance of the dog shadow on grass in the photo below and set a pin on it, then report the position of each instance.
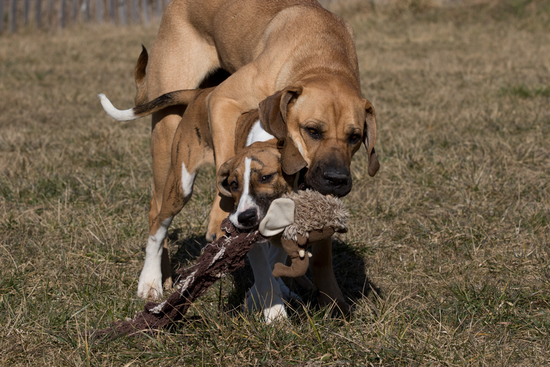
(349, 269)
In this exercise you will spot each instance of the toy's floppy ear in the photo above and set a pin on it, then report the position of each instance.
(273, 115)
(279, 215)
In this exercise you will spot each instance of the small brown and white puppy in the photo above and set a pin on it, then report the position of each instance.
(253, 178)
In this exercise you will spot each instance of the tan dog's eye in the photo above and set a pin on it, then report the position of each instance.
(266, 178)
(314, 133)
(354, 139)
(234, 186)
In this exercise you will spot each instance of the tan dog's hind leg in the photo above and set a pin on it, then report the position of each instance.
(180, 59)
(323, 275)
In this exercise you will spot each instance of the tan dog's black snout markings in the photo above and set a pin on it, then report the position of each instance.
(321, 136)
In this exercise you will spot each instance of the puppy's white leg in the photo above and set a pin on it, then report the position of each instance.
(265, 294)
(150, 280)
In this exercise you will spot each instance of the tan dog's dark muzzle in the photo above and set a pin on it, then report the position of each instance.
(331, 178)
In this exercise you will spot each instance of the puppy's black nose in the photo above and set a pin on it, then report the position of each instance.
(247, 218)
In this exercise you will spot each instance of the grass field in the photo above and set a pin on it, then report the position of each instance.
(448, 255)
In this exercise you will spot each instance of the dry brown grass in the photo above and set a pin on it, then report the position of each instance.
(453, 232)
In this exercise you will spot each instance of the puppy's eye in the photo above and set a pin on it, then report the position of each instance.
(354, 139)
(234, 185)
(314, 133)
(266, 178)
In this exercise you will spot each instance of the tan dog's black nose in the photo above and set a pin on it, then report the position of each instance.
(336, 178)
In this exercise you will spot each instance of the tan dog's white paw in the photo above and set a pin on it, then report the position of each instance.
(150, 284)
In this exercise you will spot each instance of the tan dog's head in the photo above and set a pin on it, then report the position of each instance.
(253, 178)
(321, 123)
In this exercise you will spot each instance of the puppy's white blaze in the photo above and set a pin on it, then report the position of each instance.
(257, 133)
(246, 201)
(187, 180)
(120, 115)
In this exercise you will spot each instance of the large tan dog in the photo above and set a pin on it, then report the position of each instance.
(294, 60)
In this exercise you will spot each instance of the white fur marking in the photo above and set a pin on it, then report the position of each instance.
(257, 133)
(187, 180)
(120, 115)
(246, 201)
(150, 279)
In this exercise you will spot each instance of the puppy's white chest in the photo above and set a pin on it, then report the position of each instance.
(257, 133)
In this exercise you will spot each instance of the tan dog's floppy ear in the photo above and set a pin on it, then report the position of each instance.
(273, 116)
(221, 179)
(369, 138)
(291, 158)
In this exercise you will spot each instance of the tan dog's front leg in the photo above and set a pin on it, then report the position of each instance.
(165, 124)
(323, 275)
(223, 113)
(221, 206)
(177, 192)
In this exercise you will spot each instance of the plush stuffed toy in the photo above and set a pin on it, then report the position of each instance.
(296, 220)
(293, 221)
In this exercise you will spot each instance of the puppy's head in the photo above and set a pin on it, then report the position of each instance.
(321, 123)
(253, 178)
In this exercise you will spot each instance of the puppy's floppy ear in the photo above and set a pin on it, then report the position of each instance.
(273, 116)
(369, 138)
(221, 179)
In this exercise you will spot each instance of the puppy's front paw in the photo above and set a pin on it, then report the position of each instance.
(271, 305)
(150, 285)
(276, 312)
(168, 283)
(214, 223)
(213, 234)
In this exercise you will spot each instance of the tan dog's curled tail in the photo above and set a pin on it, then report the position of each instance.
(176, 98)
